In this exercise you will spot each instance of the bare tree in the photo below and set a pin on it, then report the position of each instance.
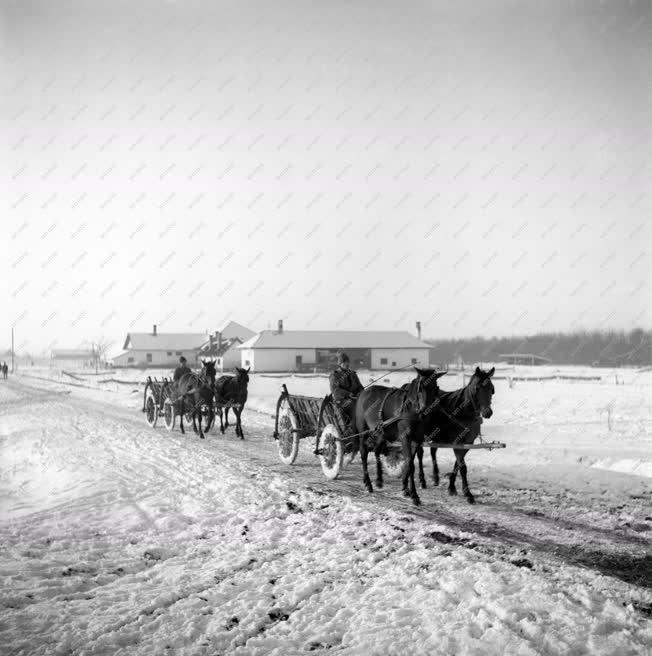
(102, 347)
(99, 349)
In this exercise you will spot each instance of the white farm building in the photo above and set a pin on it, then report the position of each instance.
(304, 350)
(159, 349)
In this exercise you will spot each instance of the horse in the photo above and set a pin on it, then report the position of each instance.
(404, 408)
(196, 391)
(456, 418)
(231, 392)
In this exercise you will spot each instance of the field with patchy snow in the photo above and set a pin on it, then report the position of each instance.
(116, 538)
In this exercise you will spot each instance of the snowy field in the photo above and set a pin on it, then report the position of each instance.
(121, 539)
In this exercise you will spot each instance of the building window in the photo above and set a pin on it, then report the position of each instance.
(169, 352)
(130, 360)
(298, 360)
(149, 357)
(179, 352)
(383, 360)
(393, 364)
(414, 360)
(247, 363)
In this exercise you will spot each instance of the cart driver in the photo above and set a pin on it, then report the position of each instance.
(181, 370)
(345, 387)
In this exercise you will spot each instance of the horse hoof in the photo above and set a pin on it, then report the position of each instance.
(416, 501)
(423, 485)
(379, 485)
(470, 498)
(435, 482)
(452, 491)
(406, 492)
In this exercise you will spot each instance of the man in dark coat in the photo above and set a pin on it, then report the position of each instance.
(181, 370)
(345, 387)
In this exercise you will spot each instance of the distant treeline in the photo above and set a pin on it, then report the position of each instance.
(605, 349)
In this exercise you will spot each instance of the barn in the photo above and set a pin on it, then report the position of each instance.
(159, 349)
(72, 359)
(308, 350)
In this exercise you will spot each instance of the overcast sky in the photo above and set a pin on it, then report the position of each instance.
(483, 167)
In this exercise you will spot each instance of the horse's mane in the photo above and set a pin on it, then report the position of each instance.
(458, 401)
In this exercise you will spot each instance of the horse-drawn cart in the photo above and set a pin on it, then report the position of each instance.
(157, 401)
(160, 400)
(299, 417)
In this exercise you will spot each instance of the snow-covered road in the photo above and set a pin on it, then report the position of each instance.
(117, 538)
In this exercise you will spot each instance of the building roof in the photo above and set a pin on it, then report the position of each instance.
(72, 354)
(334, 339)
(528, 356)
(234, 329)
(227, 344)
(164, 341)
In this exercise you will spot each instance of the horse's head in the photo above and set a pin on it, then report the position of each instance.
(427, 388)
(209, 371)
(242, 375)
(482, 390)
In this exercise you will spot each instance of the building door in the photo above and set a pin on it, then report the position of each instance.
(298, 361)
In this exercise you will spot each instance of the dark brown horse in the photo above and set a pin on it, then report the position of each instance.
(195, 396)
(456, 418)
(231, 392)
(403, 408)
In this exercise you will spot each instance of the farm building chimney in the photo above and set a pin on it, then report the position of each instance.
(154, 330)
(219, 341)
(210, 343)
(280, 325)
(419, 329)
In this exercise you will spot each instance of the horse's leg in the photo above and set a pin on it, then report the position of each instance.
(194, 422)
(226, 417)
(413, 488)
(435, 469)
(210, 420)
(238, 423)
(219, 411)
(460, 455)
(452, 490)
(422, 476)
(405, 482)
(379, 467)
(183, 432)
(199, 421)
(363, 457)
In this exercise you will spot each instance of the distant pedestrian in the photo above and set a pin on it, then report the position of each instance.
(5, 370)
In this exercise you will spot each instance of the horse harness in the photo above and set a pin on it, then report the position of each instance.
(404, 413)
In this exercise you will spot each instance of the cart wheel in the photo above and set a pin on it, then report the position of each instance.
(332, 451)
(151, 411)
(168, 413)
(288, 438)
(393, 463)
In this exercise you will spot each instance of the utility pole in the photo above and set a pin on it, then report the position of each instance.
(12, 349)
